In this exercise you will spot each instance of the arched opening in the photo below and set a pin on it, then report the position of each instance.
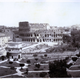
(12, 57)
(37, 40)
(43, 40)
(40, 40)
(18, 56)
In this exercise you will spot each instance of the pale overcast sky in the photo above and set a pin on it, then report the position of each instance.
(55, 13)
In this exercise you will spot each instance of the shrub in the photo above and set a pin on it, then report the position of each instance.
(12, 68)
(22, 64)
(10, 62)
(28, 61)
(78, 55)
(35, 55)
(74, 58)
(67, 58)
(45, 55)
(36, 59)
(8, 54)
(37, 65)
(41, 56)
(43, 74)
(2, 57)
(26, 72)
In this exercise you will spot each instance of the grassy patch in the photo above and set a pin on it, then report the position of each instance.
(14, 64)
(6, 71)
(14, 76)
(42, 67)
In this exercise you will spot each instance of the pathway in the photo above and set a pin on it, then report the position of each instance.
(3, 61)
(38, 71)
(19, 73)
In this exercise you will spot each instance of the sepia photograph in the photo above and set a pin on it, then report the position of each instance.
(40, 39)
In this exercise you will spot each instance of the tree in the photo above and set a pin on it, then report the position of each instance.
(36, 59)
(41, 56)
(26, 71)
(67, 58)
(58, 69)
(21, 64)
(28, 61)
(10, 62)
(35, 55)
(75, 35)
(78, 55)
(74, 58)
(2, 57)
(45, 55)
(37, 65)
(8, 56)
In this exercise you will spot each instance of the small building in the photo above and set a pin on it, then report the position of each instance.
(14, 50)
(10, 31)
(16, 36)
(3, 39)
